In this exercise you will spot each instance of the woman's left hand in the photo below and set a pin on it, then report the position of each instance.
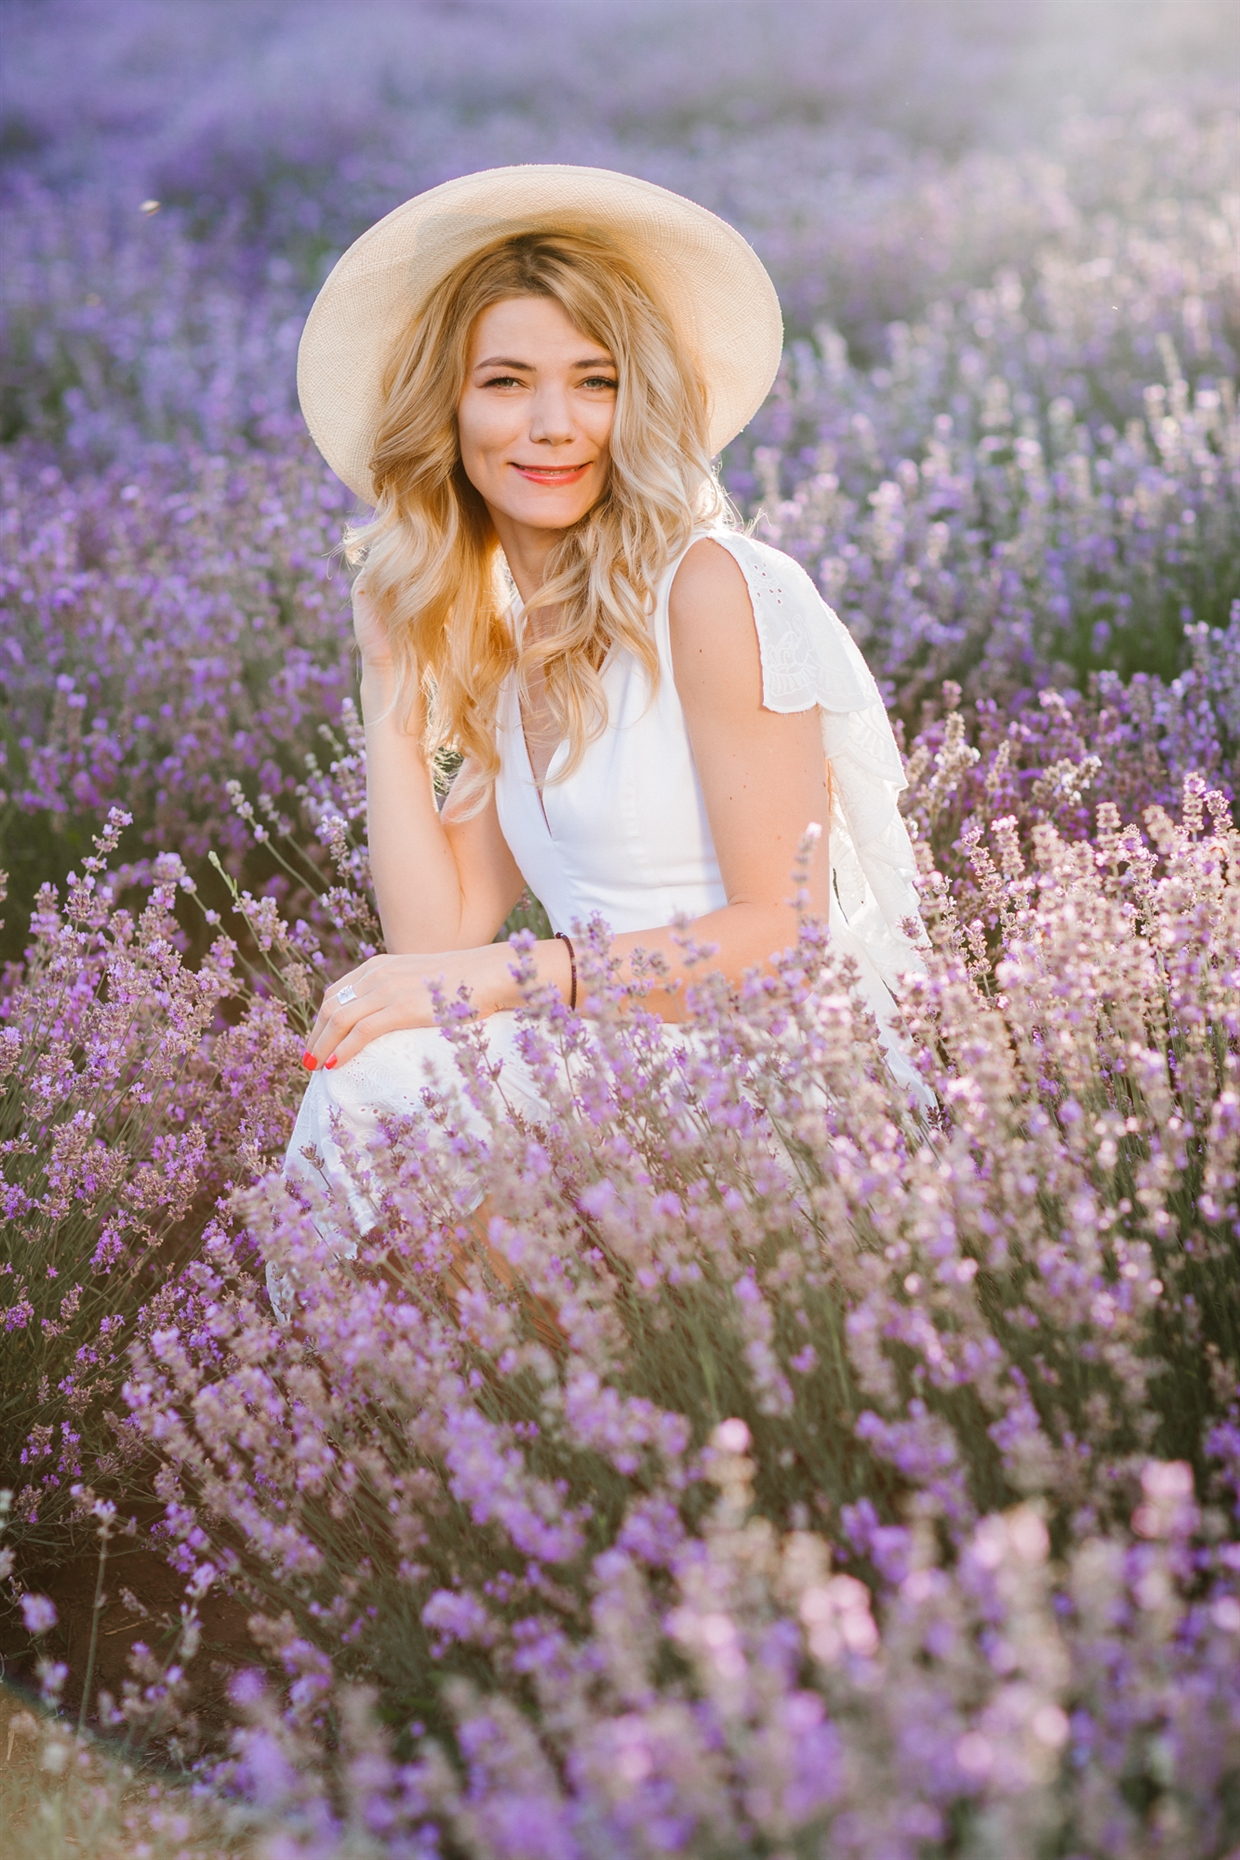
(391, 992)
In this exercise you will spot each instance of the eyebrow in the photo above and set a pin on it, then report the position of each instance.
(526, 368)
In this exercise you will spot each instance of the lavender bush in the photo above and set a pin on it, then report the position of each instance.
(957, 1445)
(166, 633)
(1017, 546)
(774, 1470)
(984, 1368)
(129, 1104)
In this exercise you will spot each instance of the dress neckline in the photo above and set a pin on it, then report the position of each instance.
(517, 612)
(536, 785)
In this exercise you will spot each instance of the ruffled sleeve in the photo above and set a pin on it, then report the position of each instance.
(810, 659)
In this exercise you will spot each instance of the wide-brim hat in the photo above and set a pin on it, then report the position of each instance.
(709, 282)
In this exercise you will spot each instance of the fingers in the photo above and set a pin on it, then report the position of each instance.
(335, 1031)
(332, 1021)
(357, 979)
(343, 1042)
(384, 999)
(384, 994)
(337, 1021)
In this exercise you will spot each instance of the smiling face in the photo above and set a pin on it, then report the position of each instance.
(534, 419)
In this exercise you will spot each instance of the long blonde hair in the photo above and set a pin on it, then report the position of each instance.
(431, 557)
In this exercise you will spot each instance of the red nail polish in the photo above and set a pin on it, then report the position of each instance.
(309, 1061)
(329, 1063)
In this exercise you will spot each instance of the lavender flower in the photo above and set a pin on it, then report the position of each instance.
(38, 1613)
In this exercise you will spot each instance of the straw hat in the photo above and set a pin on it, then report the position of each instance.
(710, 283)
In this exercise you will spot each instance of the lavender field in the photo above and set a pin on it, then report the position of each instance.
(873, 1495)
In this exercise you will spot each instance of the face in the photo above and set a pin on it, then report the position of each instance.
(535, 416)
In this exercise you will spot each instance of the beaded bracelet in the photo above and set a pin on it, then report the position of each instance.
(572, 959)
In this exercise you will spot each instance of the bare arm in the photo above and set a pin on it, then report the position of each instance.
(441, 882)
(763, 776)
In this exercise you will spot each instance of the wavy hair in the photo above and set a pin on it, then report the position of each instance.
(430, 555)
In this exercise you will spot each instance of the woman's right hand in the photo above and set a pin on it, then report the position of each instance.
(371, 633)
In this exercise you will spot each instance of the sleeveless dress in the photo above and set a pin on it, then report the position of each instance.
(627, 836)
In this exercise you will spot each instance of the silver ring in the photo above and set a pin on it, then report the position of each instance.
(346, 994)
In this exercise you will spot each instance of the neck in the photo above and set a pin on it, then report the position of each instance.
(526, 551)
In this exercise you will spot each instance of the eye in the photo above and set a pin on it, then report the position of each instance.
(502, 381)
(600, 381)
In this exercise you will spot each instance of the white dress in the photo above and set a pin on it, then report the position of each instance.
(626, 836)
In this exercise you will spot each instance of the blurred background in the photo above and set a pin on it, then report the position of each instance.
(880, 153)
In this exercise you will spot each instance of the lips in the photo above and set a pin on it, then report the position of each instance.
(552, 474)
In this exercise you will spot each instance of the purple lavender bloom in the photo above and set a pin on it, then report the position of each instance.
(38, 1613)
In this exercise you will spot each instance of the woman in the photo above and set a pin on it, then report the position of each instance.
(532, 368)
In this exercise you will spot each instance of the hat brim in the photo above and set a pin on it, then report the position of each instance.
(709, 281)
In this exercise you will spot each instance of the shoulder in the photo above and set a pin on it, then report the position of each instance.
(746, 603)
(808, 657)
(711, 622)
(732, 561)
(709, 590)
(707, 567)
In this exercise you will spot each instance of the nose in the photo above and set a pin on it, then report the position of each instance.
(551, 420)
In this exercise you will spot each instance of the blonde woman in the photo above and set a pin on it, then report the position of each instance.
(531, 370)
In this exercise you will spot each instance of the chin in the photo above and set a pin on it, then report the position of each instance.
(548, 516)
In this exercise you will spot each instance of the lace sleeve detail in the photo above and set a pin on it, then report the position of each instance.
(808, 655)
(810, 659)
